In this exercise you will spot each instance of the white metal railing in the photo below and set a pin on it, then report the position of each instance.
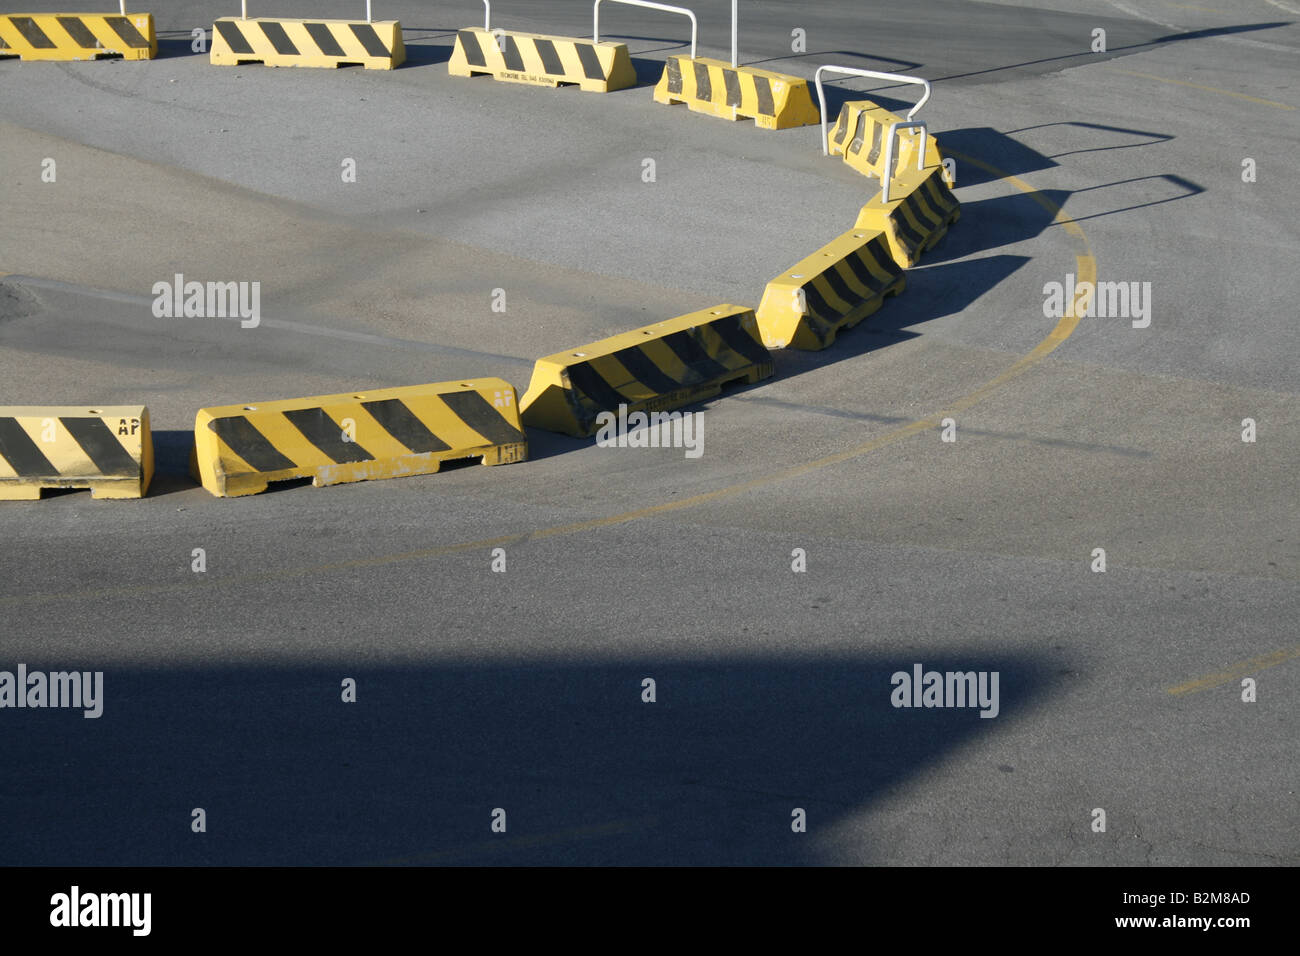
(870, 74)
(734, 4)
(695, 27)
(888, 176)
(243, 9)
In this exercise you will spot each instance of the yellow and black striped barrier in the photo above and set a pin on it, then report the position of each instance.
(917, 215)
(771, 100)
(108, 450)
(835, 288)
(387, 433)
(652, 369)
(276, 41)
(542, 60)
(861, 135)
(78, 36)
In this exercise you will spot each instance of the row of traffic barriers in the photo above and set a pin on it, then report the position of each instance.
(412, 430)
(772, 100)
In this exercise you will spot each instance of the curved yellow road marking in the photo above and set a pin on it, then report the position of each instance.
(1237, 671)
(1208, 89)
(1085, 270)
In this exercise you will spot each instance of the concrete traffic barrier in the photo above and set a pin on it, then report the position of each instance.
(914, 211)
(771, 100)
(108, 449)
(280, 41)
(862, 131)
(835, 288)
(652, 369)
(78, 36)
(541, 60)
(385, 433)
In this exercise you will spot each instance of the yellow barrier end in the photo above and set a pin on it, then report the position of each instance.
(653, 369)
(108, 449)
(835, 288)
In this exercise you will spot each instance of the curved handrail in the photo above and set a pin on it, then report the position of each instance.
(886, 179)
(695, 27)
(870, 74)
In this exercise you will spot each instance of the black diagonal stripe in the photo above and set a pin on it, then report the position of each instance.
(703, 87)
(33, 34)
(589, 383)
(859, 132)
(129, 34)
(324, 39)
(477, 412)
(818, 307)
(856, 262)
(325, 433)
(940, 193)
(513, 57)
(674, 70)
(370, 39)
(79, 32)
(550, 59)
(697, 361)
(238, 44)
(473, 52)
(841, 288)
(732, 81)
(735, 337)
(841, 125)
(904, 229)
(877, 131)
(101, 446)
(921, 210)
(591, 62)
(645, 371)
(3, 45)
(18, 449)
(763, 87)
(279, 39)
(248, 443)
(400, 422)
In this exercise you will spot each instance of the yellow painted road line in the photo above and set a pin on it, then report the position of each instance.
(1208, 89)
(1086, 270)
(1235, 672)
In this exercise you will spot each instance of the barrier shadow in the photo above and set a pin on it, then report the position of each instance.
(891, 64)
(1088, 56)
(410, 774)
(171, 462)
(933, 292)
(1001, 150)
(427, 54)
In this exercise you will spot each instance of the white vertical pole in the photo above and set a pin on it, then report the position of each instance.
(734, 3)
(243, 9)
(367, 11)
(123, 6)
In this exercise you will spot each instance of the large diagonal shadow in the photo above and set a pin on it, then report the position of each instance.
(586, 771)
